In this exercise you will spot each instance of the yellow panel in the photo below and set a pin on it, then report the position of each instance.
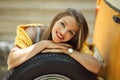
(107, 40)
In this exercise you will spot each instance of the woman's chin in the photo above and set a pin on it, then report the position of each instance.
(56, 41)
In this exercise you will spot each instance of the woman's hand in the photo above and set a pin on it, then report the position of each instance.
(56, 50)
(48, 44)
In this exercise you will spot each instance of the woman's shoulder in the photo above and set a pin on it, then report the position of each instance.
(31, 30)
(31, 26)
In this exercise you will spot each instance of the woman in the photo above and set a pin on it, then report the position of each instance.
(67, 33)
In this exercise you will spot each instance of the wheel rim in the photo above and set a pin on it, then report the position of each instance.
(52, 77)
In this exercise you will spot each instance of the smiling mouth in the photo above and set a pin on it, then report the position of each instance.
(59, 35)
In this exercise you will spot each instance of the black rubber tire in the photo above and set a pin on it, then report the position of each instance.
(50, 63)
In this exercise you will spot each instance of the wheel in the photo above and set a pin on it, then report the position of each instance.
(50, 66)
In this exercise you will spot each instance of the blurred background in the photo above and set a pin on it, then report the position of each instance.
(15, 12)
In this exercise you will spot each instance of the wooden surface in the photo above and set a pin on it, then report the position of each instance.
(15, 12)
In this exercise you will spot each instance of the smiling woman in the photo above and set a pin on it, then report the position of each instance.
(64, 29)
(68, 29)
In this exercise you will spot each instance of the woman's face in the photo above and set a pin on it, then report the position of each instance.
(64, 29)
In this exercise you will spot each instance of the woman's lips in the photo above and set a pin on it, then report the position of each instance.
(59, 35)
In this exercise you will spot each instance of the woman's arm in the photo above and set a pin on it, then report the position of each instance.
(88, 61)
(19, 55)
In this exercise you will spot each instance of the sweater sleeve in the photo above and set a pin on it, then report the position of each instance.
(86, 50)
(22, 39)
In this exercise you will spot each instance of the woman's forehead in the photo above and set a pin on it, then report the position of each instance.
(70, 21)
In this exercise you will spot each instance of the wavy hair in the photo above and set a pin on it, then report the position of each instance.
(80, 37)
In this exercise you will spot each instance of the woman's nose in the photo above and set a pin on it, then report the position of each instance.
(63, 32)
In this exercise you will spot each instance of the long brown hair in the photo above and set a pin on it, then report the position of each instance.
(78, 40)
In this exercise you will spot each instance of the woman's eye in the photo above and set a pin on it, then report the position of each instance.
(71, 32)
(62, 24)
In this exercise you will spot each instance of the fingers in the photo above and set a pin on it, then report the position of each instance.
(57, 46)
(55, 50)
(66, 45)
(52, 50)
(50, 44)
(62, 47)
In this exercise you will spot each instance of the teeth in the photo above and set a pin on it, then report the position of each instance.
(60, 36)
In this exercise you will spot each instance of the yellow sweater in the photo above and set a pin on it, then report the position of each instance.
(23, 40)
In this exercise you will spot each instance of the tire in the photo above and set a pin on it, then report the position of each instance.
(50, 66)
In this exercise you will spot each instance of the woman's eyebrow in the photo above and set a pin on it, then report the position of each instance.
(73, 31)
(65, 22)
(67, 25)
